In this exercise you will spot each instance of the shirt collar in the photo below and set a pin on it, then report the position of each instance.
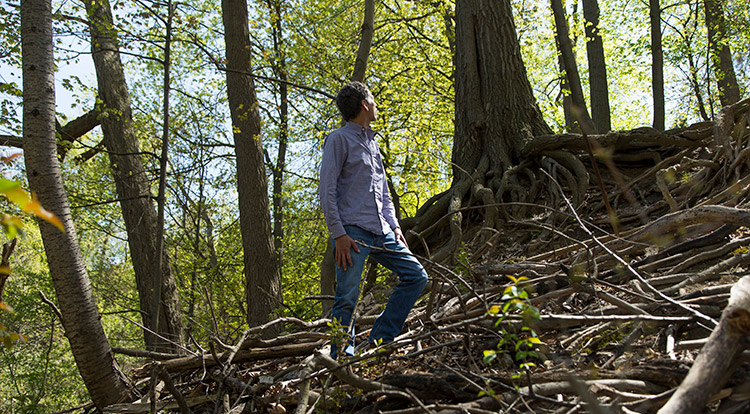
(355, 127)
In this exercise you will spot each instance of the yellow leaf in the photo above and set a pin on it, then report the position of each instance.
(534, 340)
(512, 279)
(494, 309)
(17, 195)
(5, 307)
(35, 208)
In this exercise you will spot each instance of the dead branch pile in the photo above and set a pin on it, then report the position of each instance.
(625, 304)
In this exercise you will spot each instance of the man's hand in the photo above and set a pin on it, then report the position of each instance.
(400, 236)
(343, 255)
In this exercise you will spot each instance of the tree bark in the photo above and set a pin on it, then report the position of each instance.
(279, 68)
(365, 43)
(131, 182)
(495, 106)
(262, 278)
(721, 55)
(599, 91)
(571, 68)
(718, 358)
(80, 316)
(571, 125)
(657, 65)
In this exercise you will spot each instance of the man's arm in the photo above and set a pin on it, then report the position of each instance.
(389, 212)
(334, 154)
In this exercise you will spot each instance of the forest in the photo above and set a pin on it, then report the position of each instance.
(572, 175)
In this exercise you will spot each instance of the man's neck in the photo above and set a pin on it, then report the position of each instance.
(361, 120)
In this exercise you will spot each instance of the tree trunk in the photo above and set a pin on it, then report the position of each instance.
(571, 68)
(495, 116)
(571, 125)
(262, 278)
(80, 316)
(365, 43)
(599, 91)
(131, 182)
(495, 107)
(721, 55)
(280, 71)
(657, 65)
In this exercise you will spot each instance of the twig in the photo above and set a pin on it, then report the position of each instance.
(712, 322)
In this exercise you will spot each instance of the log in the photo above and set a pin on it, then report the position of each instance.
(192, 362)
(718, 358)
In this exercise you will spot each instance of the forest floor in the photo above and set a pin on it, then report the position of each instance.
(557, 313)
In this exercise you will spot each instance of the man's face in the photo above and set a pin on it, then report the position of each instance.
(373, 109)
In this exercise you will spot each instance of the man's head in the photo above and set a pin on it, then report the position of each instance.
(350, 101)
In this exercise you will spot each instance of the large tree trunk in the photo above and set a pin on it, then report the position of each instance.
(131, 181)
(721, 55)
(657, 65)
(262, 278)
(496, 115)
(599, 91)
(80, 316)
(496, 112)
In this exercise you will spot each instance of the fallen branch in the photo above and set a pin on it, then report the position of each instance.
(719, 356)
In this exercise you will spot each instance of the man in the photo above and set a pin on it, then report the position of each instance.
(359, 213)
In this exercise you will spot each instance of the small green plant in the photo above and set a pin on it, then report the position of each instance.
(7, 337)
(515, 341)
(339, 335)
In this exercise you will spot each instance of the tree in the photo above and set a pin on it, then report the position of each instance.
(80, 316)
(721, 54)
(131, 182)
(262, 277)
(571, 68)
(280, 71)
(657, 64)
(496, 116)
(599, 91)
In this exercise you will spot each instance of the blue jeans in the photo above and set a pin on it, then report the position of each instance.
(398, 259)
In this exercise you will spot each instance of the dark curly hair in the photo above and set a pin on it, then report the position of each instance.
(349, 98)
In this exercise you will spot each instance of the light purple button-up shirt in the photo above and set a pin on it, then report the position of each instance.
(353, 188)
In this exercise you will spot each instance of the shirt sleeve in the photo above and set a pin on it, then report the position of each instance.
(334, 155)
(389, 211)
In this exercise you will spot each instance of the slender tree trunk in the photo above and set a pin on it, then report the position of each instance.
(262, 278)
(158, 264)
(657, 65)
(571, 125)
(280, 71)
(365, 43)
(571, 69)
(599, 91)
(721, 55)
(80, 316)
(132, 185)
